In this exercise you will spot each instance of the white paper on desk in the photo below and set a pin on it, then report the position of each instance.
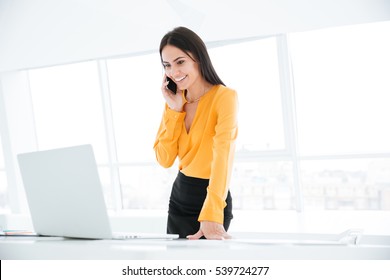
(348, 237)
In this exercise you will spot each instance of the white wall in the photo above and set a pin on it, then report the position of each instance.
(35, 33)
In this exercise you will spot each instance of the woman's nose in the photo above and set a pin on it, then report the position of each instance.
(171, 71)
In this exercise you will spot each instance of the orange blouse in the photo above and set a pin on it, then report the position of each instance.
(207, 150)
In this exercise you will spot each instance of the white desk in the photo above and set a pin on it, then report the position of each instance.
(44, 248)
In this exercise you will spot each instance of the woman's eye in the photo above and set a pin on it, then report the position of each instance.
(166, 66)
(180, 62)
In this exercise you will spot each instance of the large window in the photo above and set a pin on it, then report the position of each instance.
(319, 140)
(342, 87)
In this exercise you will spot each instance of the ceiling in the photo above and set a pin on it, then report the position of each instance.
(36, 33)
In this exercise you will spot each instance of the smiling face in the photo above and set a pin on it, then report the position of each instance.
(180, 67)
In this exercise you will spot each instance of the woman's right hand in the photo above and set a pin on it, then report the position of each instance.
(174, 101)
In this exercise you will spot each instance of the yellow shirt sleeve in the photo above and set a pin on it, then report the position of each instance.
(207, 150)
(166, 144)
(223, 153)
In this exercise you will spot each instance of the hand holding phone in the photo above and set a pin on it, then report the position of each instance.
(169, 90)
(171, 85)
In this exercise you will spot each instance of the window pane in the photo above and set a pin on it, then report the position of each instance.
(263, 185)
(146, 187)
(137, 105)
(341, 78)
(252, 70)
(357, 184)
(67, 107)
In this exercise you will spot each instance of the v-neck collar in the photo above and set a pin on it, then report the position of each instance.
(188, 132)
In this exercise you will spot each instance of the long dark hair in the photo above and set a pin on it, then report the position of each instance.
(190, 43)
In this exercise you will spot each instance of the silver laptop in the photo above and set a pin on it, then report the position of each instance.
(65, 195)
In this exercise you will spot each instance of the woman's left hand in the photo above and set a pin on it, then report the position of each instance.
(210, 230)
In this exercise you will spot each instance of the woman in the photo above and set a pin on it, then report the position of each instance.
(199, 126)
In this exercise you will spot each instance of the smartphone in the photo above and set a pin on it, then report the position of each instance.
(171, 85)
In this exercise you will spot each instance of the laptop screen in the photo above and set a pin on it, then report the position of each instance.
(64, 192)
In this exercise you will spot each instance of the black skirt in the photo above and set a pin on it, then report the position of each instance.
(186, 202)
